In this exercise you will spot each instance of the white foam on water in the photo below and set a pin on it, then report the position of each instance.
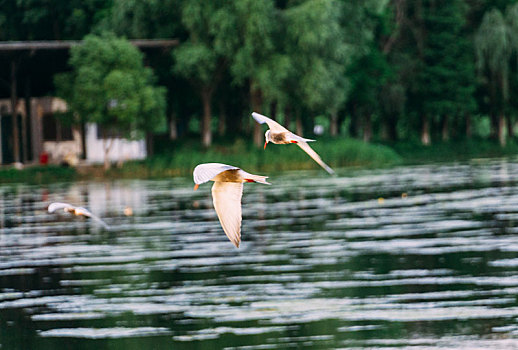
(105, 333)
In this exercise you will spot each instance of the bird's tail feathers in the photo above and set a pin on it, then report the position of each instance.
(300, 138)
(260, 179)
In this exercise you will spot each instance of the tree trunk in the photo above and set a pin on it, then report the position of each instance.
(107, 145)
(150, 149)
(256, 99)
(27, 152)
(385, 129)
(14, 114)
(24, 144)
(469, 130)
(510, 127)
(367, 128)
(107, 164)
(273, 110)
(299, 130)
(493, 132)
(288, 114)
(333, 127)
(206, 134)
(392, 128)
(83, 139)
(353, 126)
(222, 119)
(425, 131)
(501, 131)
(173, 128)
(445, 132)
(389, 128)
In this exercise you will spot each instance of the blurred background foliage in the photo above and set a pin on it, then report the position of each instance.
(420, 71)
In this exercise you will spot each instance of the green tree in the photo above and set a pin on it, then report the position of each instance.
(368, 75)
(375, 89)
(512, 23)
(318, 50)
(110, 86)
(244, 35)
(151, 19)
(197, 58)
(447, 78)
(50, 20)
(138, 19)
(494, 44)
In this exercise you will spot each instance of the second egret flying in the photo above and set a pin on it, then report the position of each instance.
(278, 134)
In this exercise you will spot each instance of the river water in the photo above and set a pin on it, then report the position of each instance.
(418, 257)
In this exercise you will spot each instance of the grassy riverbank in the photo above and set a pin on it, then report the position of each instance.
(416, 153)
(181, 159)
(38, 174)
(178, 159)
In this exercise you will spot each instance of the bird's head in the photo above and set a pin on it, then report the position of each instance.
(266, 138)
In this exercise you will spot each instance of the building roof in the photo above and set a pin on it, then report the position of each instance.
(12, 46)
(41, 60)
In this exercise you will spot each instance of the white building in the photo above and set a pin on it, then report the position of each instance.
(44, 132)
(121, 149)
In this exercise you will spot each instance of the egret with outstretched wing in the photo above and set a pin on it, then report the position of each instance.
(278, 134)
(226, 193)
(77, 211)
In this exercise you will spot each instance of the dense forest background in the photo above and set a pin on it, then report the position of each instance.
(384, 70)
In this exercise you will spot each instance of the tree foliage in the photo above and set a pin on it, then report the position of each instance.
(318, 52)
(374, 68)
(109, 85)
(50, 20)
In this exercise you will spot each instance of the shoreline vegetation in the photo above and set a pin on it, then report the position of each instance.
(178, 159)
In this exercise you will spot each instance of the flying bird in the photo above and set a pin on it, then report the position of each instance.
(226, 193)
(280, 135)
(78, 211)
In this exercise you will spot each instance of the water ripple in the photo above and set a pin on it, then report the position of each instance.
(419, 257)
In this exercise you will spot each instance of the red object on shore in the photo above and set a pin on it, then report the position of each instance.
(44, 158)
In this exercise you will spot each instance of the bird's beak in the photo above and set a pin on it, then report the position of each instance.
(196, 187)
(265, 143)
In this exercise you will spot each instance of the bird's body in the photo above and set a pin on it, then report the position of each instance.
(226, 193)
(281, 138)
(77, 211)
(278, 134)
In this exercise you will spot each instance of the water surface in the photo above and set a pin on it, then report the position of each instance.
(418, 257)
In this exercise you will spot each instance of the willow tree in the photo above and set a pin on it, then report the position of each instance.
(197, 60)
(448, 75)
(139, 19)
(512, 25)
(494, 47)
(317, 47)
(368, 75)
(243, 33)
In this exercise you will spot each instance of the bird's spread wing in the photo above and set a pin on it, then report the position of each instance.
(100, 221)
(204, 172)
(274, 126)
(58, 205)
(226, 197)
(85, 212)
(305, 147)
